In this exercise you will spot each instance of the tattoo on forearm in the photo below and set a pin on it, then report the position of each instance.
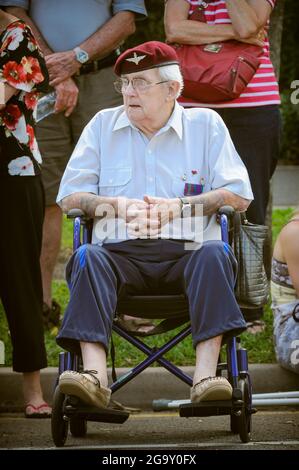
(88, 204)
(213, 200)
(210, 201)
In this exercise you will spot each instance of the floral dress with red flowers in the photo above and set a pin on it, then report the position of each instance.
(21, 66)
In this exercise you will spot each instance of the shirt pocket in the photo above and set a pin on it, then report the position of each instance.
(178, 187)
(115, 181)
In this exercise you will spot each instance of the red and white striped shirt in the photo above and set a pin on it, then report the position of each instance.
(263, 88)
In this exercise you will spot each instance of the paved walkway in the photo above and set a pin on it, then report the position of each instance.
(158, 432)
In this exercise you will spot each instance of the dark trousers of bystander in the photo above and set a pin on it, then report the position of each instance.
(256, 135)
(22, 212)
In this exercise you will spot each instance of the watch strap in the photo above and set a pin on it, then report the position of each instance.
(184, 201)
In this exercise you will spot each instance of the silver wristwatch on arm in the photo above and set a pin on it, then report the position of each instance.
(186, 208)
(81, 55)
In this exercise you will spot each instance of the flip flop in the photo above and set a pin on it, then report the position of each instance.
(38, 412)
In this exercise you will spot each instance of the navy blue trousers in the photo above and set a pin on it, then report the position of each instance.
(99, 275)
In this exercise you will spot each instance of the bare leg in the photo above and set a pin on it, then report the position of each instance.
(213, 388)
(94, 358)
(50, 248)
(32, 388)
(207, 353)
(83, 385)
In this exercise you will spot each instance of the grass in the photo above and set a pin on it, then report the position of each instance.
(260, 347)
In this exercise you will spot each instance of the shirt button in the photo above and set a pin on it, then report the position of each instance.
(150, 179)
(110, 181)
(149, 151)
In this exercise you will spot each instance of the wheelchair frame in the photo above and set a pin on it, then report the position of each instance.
(69, 409)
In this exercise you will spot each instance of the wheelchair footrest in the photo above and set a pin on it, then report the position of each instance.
(206, 408)
(91, 413)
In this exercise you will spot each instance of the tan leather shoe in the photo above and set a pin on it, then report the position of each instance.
(211, 388)
(86, 386)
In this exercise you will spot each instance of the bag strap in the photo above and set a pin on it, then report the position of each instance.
(237, 223)
(239, 219)
(198, 13)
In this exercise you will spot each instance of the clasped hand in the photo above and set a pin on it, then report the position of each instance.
(146, 218)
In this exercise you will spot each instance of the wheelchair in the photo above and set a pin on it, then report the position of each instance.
(68, 411)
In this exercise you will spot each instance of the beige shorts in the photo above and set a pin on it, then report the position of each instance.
(57, 135)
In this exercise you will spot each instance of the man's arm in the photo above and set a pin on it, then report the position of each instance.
(213, 200)
(210, 201)
(63, 65)
(102, 206)
(87, 202)
(108, 37)
(23, 15)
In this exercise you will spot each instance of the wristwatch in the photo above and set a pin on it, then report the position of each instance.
(81, 55)
(186, 208)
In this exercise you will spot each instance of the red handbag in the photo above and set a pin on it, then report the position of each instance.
(217, 72)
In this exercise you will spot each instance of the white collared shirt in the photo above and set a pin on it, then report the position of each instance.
(114, 158)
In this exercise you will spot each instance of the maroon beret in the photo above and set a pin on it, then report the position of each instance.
(145, 56)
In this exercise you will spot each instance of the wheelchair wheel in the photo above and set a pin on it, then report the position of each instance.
(245, 417)
(59, 426)
(78, 427)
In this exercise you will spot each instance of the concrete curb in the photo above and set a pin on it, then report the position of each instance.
(154, 383)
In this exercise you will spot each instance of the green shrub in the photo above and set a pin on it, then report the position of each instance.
(290, 136)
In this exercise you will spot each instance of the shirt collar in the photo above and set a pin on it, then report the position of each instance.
(175, 121)
(122, 121)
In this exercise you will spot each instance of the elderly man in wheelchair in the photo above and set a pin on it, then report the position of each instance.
(140, 170)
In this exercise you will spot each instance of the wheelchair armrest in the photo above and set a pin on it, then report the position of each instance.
(73, 213)
(229, 212)
(85, 222)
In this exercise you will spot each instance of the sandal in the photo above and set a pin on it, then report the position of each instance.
(256, 326)
(51, 315)
(38, 412)
(135, 324)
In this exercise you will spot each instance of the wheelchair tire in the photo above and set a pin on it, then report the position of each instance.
(245, 418)
(78, 427)
(59, 426)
